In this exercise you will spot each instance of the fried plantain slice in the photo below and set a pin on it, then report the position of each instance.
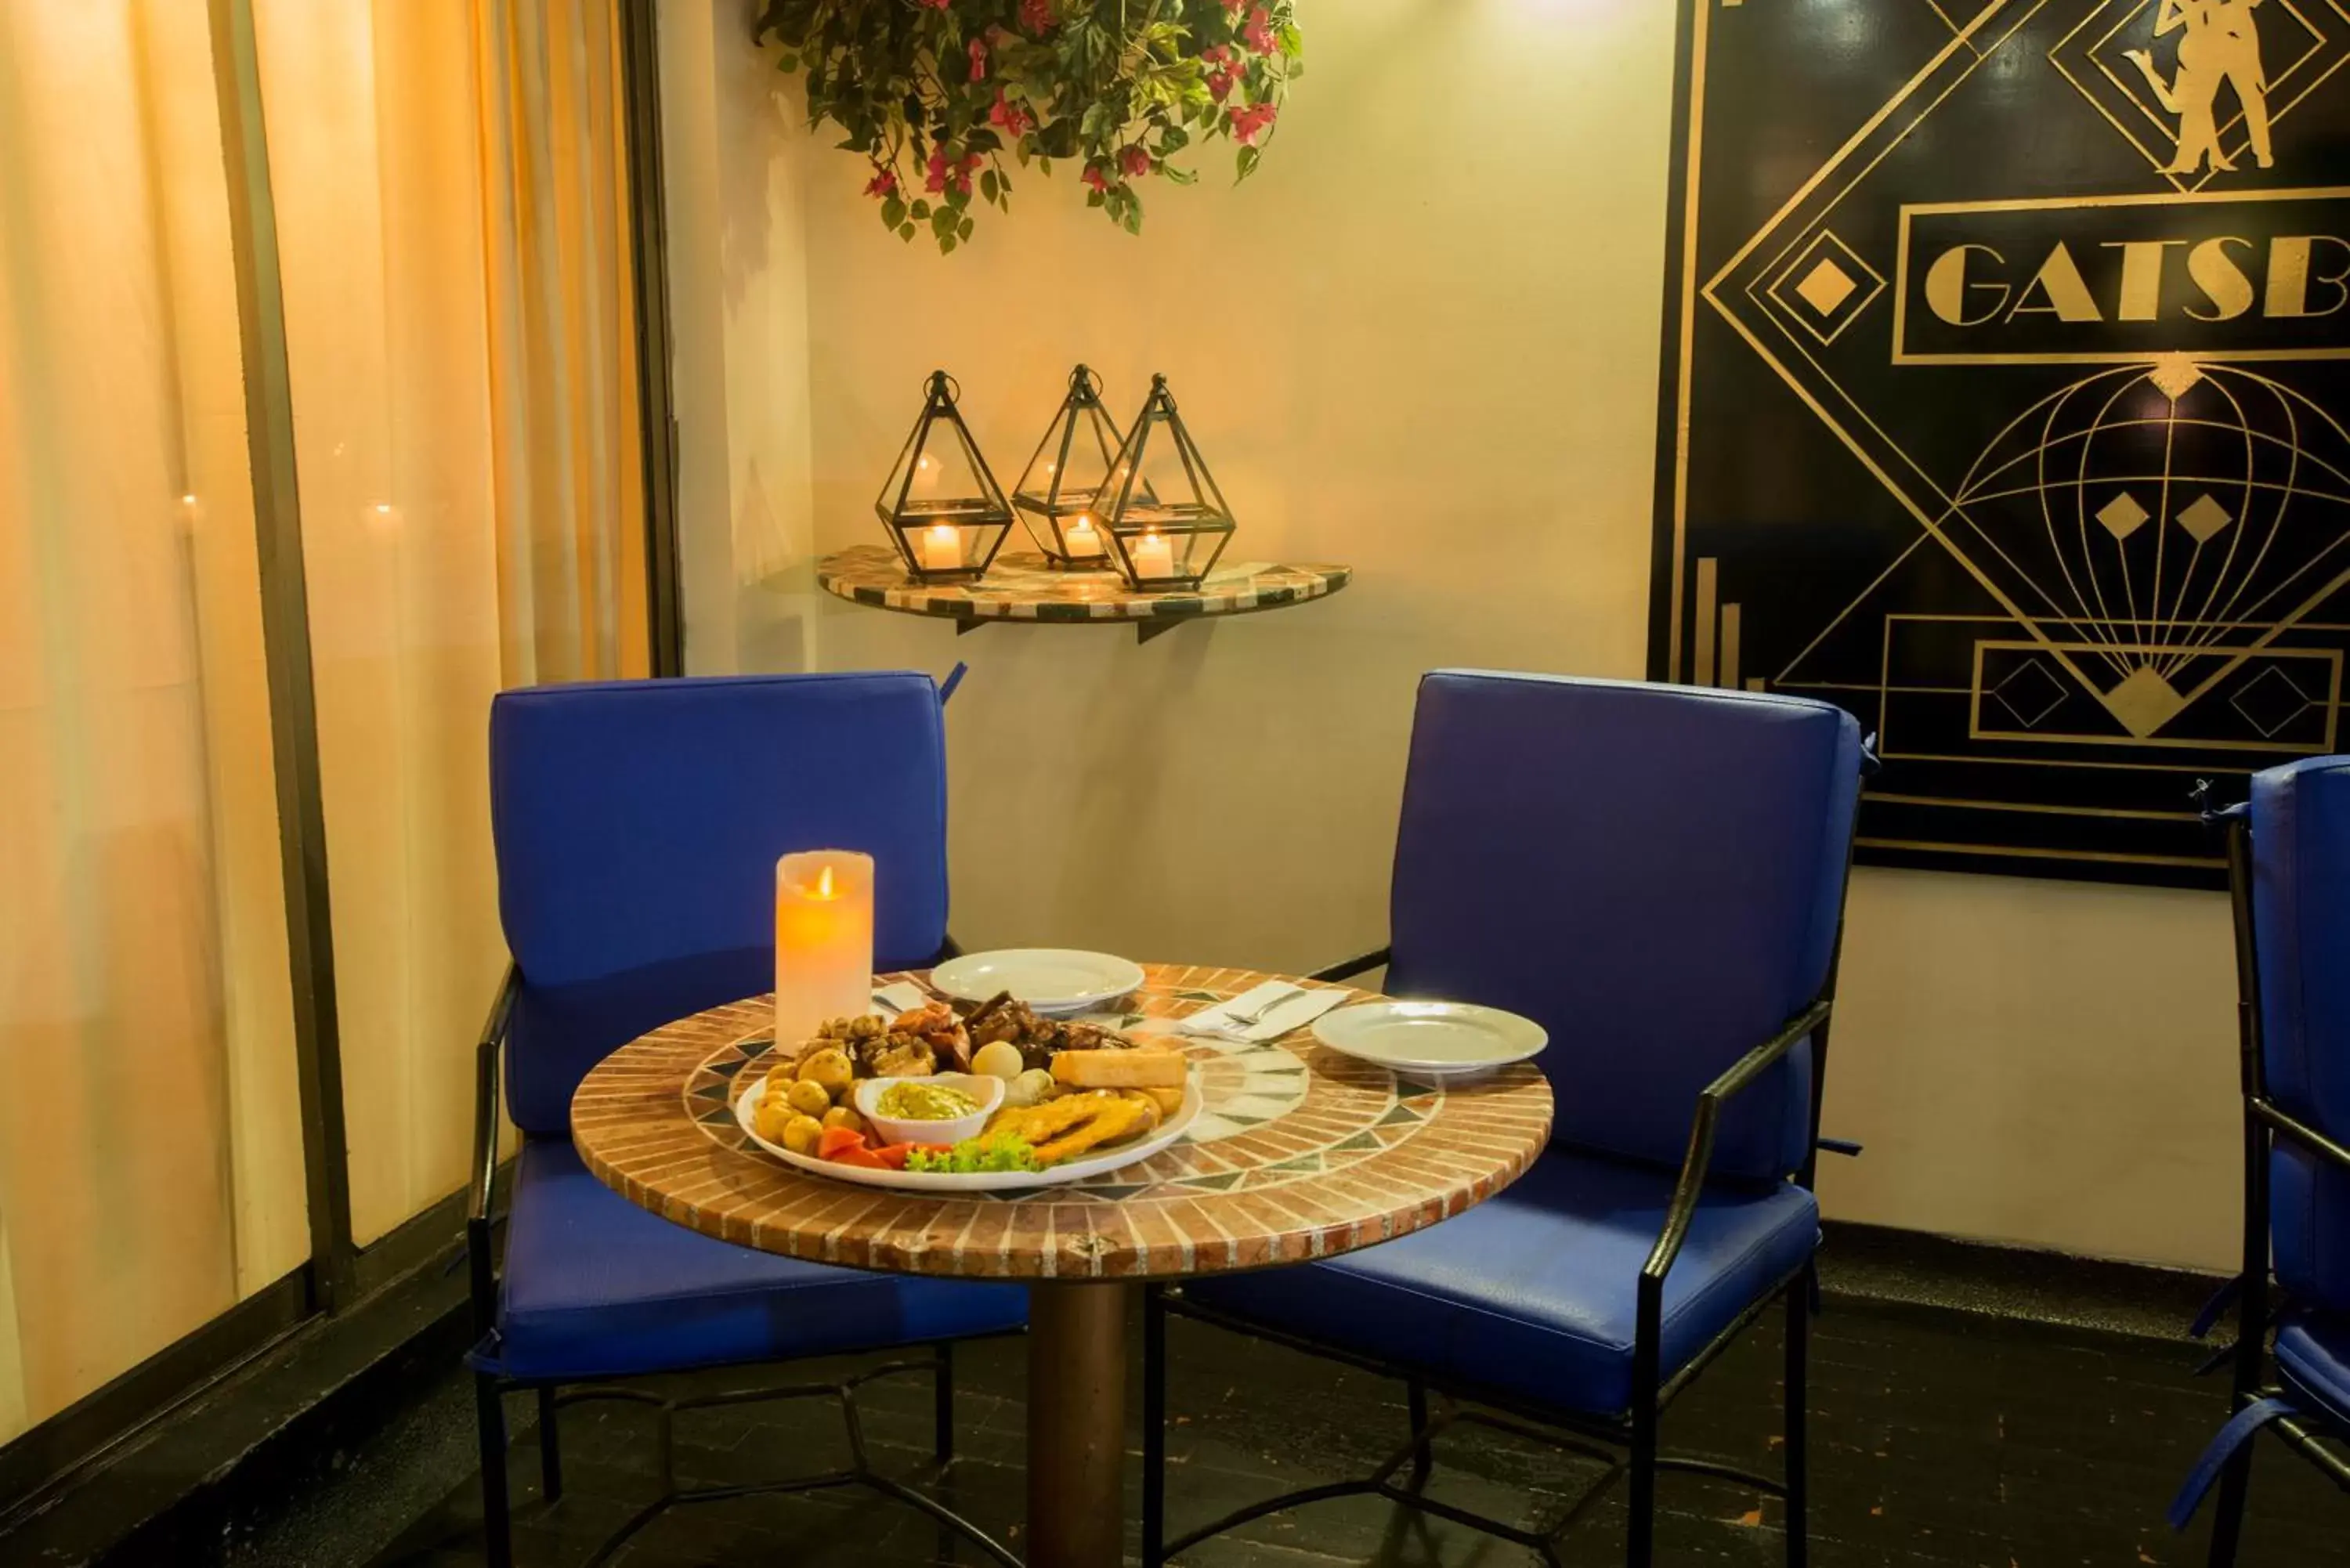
(1112, 1119)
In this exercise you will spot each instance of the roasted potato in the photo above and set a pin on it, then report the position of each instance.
(828, 1069)
(773, 1119)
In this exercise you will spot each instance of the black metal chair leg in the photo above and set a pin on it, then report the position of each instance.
(1416, 1397)
(2228, 1520)
(1154, 1426)
(943, 1405)
(550, 1447)
(1640, 1530)
(1799, 1342)
(490, 1415)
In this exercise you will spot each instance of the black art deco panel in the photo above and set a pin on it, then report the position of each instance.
(2006, 404)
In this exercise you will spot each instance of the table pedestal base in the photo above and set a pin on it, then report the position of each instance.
(1077, 1424)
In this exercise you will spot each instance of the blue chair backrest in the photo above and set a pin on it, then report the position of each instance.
(2301, 926)
(638, 824)
(1655, 874)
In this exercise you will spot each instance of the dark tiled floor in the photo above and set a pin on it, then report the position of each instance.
(1939, 1439)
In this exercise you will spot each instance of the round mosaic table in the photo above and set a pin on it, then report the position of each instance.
(1299, 1153)
(1022, 587)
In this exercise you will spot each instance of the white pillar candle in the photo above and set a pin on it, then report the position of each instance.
(824, 941)
(1081, 539)
(1154, 557)
(942, 548)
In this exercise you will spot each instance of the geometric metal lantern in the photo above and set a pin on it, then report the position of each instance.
(942, 507)
(1058, 493)
(1166, 518)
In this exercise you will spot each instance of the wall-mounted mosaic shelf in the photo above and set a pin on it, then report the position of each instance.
(1023, 589)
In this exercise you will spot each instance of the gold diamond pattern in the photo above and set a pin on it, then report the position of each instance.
(2029, 693)
(2175, 375)
(2122, 517)
(2271, 700)
(1825, 286)
(2204, 518)
(2145, 702)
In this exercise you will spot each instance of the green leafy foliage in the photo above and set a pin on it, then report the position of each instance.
(1000, 1152)
(940, 97)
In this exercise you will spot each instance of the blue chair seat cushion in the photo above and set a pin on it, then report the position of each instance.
(597, 1287)
(1534, 1292)
(2313, 1352)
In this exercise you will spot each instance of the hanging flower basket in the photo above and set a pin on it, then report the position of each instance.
(941, 96)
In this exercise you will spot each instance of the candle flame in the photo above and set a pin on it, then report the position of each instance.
(824, 884)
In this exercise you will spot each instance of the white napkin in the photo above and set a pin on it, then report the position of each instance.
(1299, 1010)
(890, 1001)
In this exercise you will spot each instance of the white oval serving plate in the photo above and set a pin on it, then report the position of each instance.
(1445, 1041)
(1049, 980)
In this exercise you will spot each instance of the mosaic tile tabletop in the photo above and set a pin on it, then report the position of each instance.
(1299, 1153)
(1022, 587)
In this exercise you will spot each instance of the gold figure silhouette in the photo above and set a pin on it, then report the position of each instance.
(2222, 44)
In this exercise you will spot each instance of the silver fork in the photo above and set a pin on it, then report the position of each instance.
(1249, 1020)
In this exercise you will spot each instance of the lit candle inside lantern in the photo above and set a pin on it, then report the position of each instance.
(942, 548)
(1154, 557)
(824, 941)
(1082, 539)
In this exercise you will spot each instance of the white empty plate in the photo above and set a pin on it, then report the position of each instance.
(1050, 979)
(1441, 1039)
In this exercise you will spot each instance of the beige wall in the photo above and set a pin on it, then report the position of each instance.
(1422, 341)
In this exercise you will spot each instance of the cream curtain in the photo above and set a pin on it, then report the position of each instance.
(150, 1154)
(447, 181)
(447, 176)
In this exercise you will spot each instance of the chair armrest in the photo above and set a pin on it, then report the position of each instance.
(1699, 1158)
(486, 1095)
(1352, 967)
(2308, 1136)
(480, 1267)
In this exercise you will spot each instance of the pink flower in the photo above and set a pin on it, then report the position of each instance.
(1251, 122)
(1134, 161)
(937, 4)
(1096, 178)
(979, 59)
(1259, 32)
(1226, 69)
(1011, 117)
(1036, 15)
(884, 183)
(944, 172)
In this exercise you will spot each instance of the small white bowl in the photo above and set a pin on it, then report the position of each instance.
(987, 1091)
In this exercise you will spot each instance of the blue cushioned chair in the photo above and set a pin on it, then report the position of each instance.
(1656, 874)
(2289, 867)
(638, 824)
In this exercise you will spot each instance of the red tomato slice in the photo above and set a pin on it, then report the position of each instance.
(893, 1155)
(837, 1142)
(862, 1158)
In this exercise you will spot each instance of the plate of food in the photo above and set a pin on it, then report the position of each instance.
(1442, 1042)
(1054, 981)
(1003, 1099)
